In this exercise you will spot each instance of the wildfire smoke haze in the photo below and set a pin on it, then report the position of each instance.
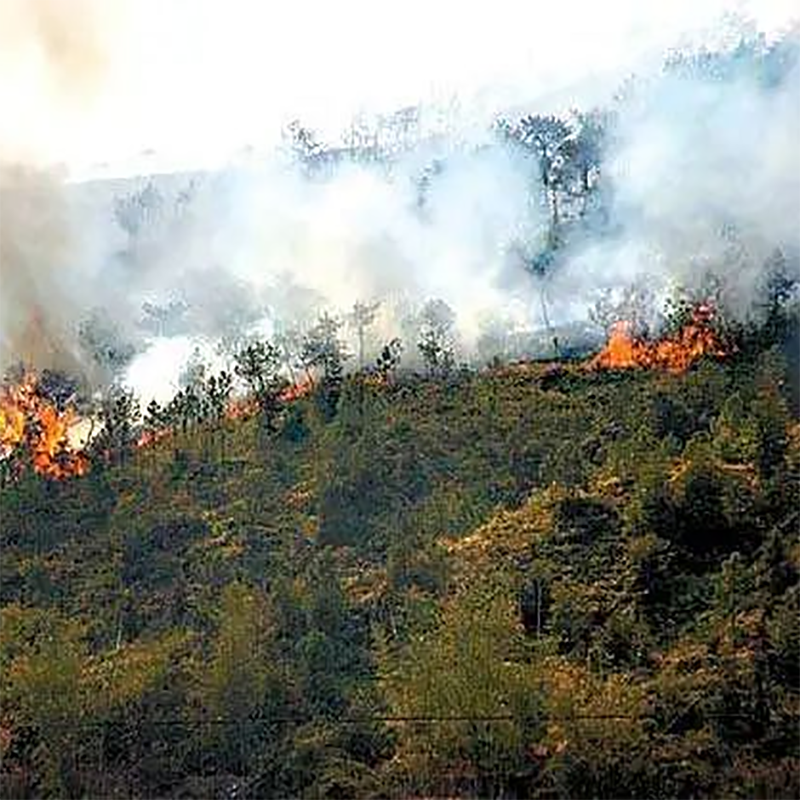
(699, 173)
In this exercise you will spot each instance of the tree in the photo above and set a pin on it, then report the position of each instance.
(194, 373)
(105, 343)
(635, 306)
(361, 140)
(289, 340)
(168, 320)
(303, 145)
(389, 358)
(360, 318)
(428, 175)
(135, 212)
(60, 389)
(218, 392)
(464, 674)
(322, 349)
(241, 682)
(155, 417)
(119, 415)
(176, 412)
(42, 687)
(547, 138)
(782, 277)
(258, 365)
(584, 153)
(435, 337)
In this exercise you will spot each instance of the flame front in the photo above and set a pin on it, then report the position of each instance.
(297, 390)
(29, 420)
(244, 407)
(675, 353)
(149, 438)
(237, 409)
(622, 351)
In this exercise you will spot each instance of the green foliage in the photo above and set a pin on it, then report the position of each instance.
(552, 582)
(119, 415)
(241, 680)
(258, 365)
(455, 680)
(322, 349)
(295, 428)
(435, 342)
(736, 433)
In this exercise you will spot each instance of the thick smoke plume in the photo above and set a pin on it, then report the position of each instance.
(53, 63)
(66, 41)
(706, 178)
(36, 249)
(698, 175)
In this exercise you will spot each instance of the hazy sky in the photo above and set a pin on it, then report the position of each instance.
(90, 81)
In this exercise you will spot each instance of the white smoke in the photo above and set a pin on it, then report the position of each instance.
(267, 245)
(706, 179)
(704, 175)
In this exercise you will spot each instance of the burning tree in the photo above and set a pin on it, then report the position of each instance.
(34, 431)
(674, 353)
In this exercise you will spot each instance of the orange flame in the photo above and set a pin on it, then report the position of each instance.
(248, 406)
(149, 438)
(242, 408)
(28, 419)
(297, 390)
(673, 354)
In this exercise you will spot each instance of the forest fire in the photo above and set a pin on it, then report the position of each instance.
(239, 408)
(248, 406)
(149, 438)
(297, 390)
(29, 420)
(674, 354)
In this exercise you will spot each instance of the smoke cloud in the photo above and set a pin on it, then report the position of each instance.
(54, 63)
(134, 274)
(706, 179)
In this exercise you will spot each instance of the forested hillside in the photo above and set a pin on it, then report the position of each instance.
(453, 455)
(534, 580)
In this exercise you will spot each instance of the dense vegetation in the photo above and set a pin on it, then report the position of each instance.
(529, 580)
(535, 580)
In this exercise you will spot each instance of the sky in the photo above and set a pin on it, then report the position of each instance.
(121, 86)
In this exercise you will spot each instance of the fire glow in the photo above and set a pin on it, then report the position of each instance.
(28, 420)
(674, 354)
(240, 408)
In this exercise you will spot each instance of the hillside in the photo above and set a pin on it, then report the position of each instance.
(539, 580)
